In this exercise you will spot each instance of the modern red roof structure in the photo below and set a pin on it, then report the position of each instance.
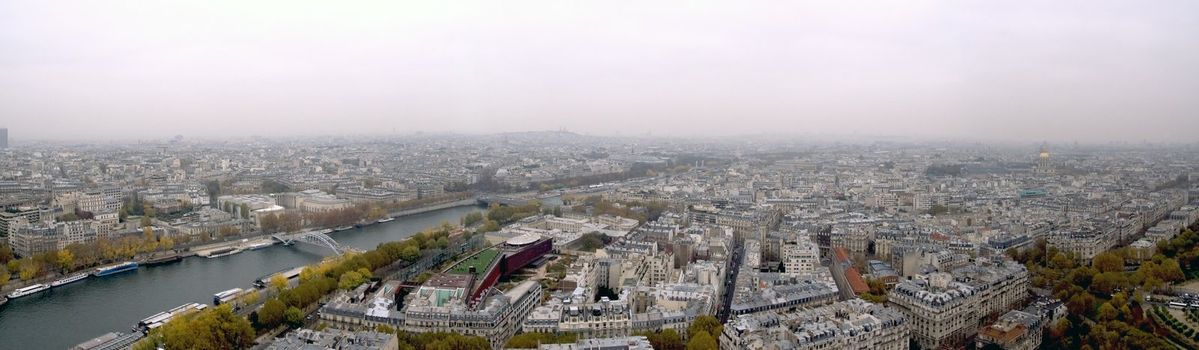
(485, 268)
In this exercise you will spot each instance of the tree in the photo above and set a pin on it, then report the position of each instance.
(702, 341)
(705, 323)
(145, 221)
(4, 275)
(294, 317)
(66, 260)
(1080, 304)
(245, 211)
(1169, 271)
(5, 253)
(216, 328)
(1107, 312)
(29, 269)
(1108, 262)
(667, 339)
(271, 314)
(1107, 282)
(472, 219)
(278, 282)
(351, 279)
(1061, 261)
(532, 340)
(410, 253)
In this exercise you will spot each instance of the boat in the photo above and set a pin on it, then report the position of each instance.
(114, 269)
(68, 280)
(343, 228)
(163, 259)
(3, 300)
(20, 292)
(161, 318)
(223, 252)
(226, 296)
(287, 275)
(260, 245)
(386, 220)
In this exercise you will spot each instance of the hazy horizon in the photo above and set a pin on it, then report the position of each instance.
(1075, 71)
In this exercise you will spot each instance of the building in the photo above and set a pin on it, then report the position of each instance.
(848, 279)
(616, 343)
(1015, 330)
(1044, 166)
(852, 324)
(802, 294)
(307, 339)
(485, 268)
(800, 257)
(313, 201)
(496, 318)
(29, 240)
(14, 217)
(1001, 285)
(369, 305)
(941, 312)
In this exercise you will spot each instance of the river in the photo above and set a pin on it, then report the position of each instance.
(65, 316)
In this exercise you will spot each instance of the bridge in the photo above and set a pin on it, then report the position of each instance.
(317, 238)
(503, 200)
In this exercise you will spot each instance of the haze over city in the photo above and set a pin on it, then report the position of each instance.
(1089, 71)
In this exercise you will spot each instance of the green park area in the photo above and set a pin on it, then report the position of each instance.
(480, 261)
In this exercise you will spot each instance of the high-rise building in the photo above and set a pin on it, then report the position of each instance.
(3, 137)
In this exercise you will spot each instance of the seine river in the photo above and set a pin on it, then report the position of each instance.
(62, 317)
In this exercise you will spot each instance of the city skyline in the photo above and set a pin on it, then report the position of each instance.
(1090, 72)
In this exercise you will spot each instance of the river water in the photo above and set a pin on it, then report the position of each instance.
(68, 315)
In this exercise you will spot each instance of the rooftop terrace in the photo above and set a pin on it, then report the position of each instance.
(480, 261)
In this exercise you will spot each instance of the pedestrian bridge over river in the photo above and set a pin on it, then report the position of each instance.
(318, 238)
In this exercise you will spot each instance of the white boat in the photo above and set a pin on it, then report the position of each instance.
(69, 280)
(20, 292)
(161, 318)
(225, 253)
(386, 220)
(260, 245)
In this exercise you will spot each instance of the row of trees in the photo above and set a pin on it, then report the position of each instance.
(345, 273)
(441, 341)
(1180, 330)
(701, 335)
(1104, 301)
(213, 328)
(629, 209)
(219, 328)
(290, 221)
(76, 257)
(535, 339)
(499, 215)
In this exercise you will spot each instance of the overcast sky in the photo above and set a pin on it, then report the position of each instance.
(1088, 71)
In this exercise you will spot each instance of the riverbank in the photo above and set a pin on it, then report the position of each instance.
(205, 248)
(95, 306)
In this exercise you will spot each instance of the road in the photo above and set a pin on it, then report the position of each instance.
(730, 283)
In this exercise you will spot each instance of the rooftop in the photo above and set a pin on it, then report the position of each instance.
(479, 261)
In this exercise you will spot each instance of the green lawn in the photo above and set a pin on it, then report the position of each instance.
(480, 261)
